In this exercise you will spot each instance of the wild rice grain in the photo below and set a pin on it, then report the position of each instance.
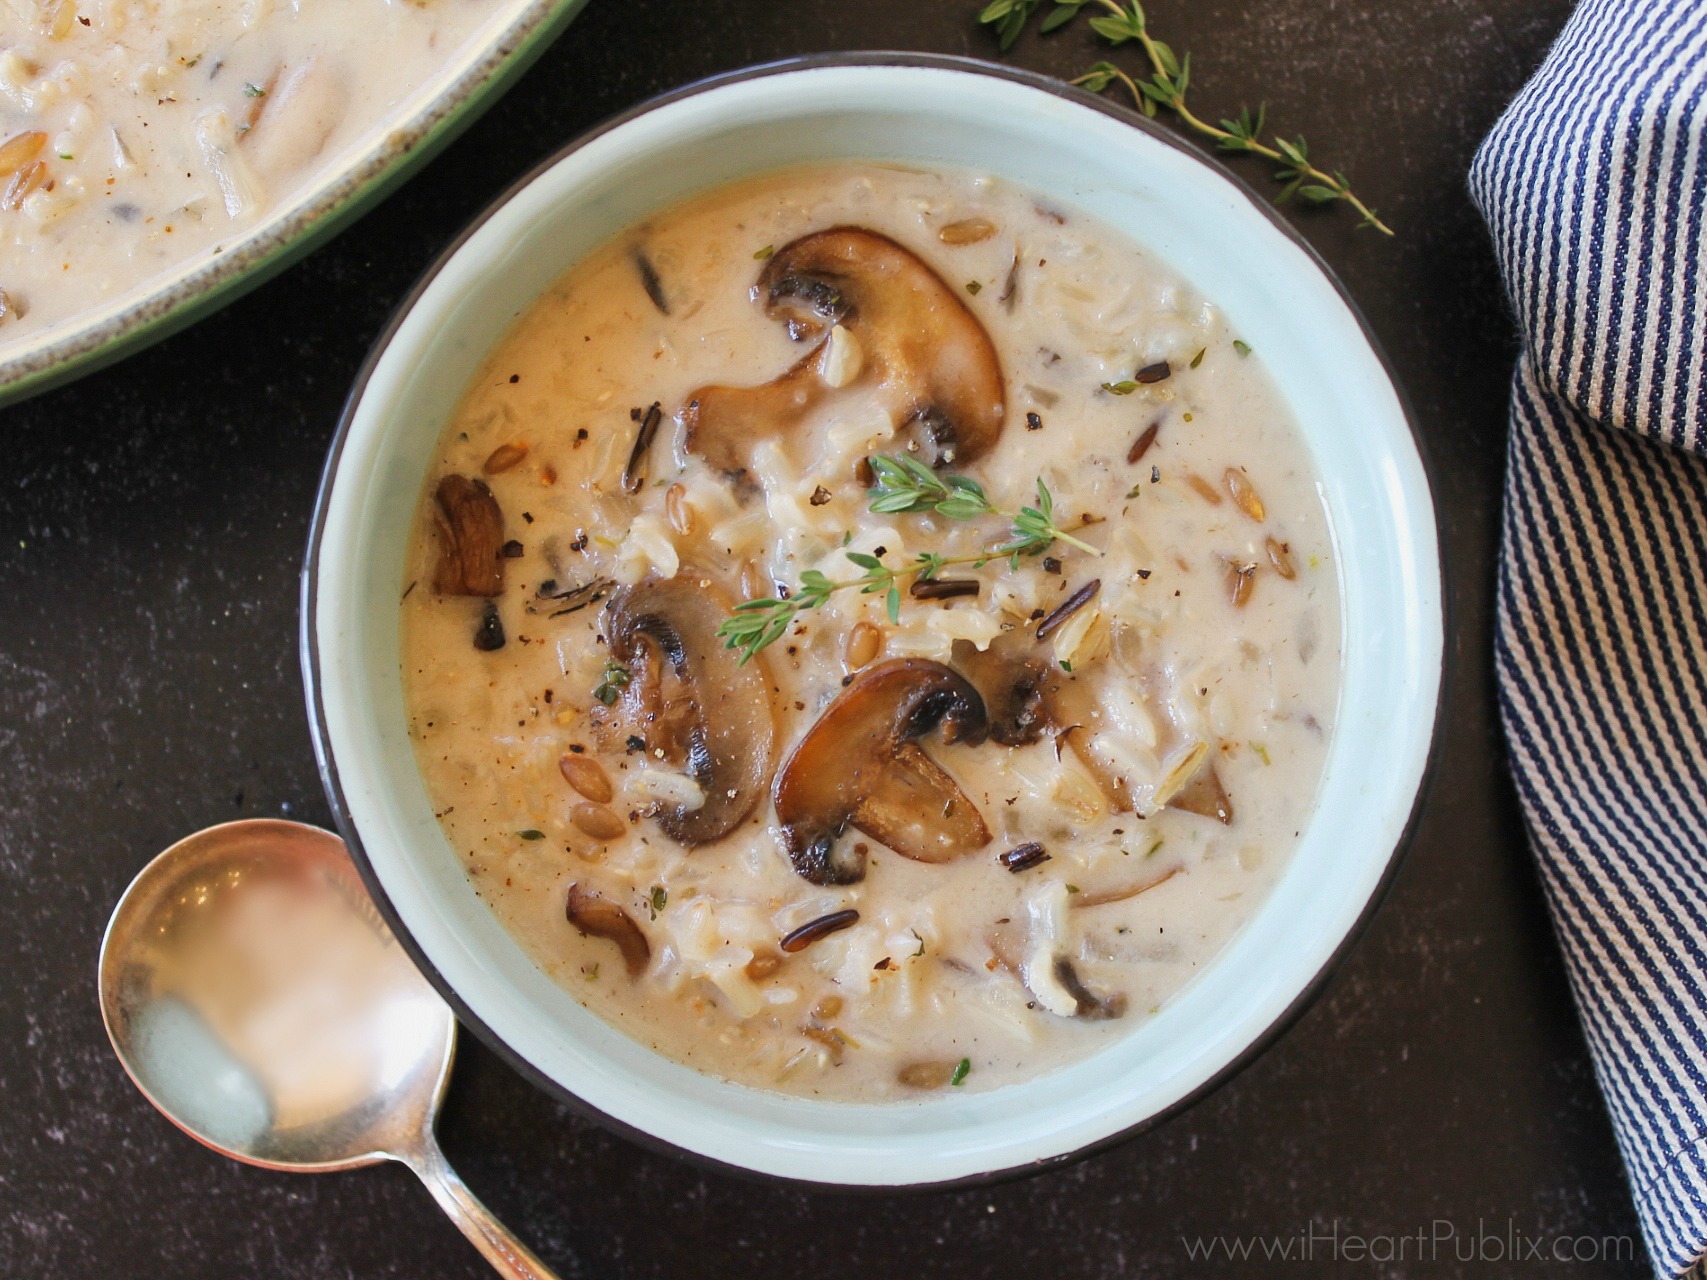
(808, 933)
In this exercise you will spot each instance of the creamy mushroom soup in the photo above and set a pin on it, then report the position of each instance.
(872, 632)
(138, 134)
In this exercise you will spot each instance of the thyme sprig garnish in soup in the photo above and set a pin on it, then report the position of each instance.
(136, 135)
(903, 484)
(872, 632)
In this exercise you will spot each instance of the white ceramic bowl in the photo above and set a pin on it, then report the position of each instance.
(921, 111)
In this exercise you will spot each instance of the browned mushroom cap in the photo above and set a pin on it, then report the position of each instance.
(931, 353)
(597, 916)
(695, 701)
(1011, 682)
(722, 423)
(861, 765)
(471, 538)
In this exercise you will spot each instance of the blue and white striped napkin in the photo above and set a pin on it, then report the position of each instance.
(1594, 184)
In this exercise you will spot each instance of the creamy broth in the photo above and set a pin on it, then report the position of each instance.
(1138, 776)
(138, 134)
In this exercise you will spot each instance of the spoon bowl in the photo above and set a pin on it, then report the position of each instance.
(255, 996)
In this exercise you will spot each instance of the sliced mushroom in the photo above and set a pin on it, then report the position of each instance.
(937, 365)
(1093, 896)
(927, 1075)
(1048, 973)
(1071, 708)
(1202, 792)
(596, 916)
(1086, 1003)
(861, 765)
(1190, 782)
(294, 115)
(471, 538)
(710, 715)
(1011, 681)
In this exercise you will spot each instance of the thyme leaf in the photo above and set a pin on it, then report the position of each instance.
(613, 680)
(902, 484)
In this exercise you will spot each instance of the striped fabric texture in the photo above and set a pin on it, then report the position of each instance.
(1594, 184)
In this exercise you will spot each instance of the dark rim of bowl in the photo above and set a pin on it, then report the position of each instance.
(310, 655)
(224, 278)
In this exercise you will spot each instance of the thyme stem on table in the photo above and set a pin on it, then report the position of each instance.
(1166, 87)
(903, 484)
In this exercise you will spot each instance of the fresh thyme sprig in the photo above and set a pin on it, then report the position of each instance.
(758, 623)
(906, 484)
(903, 484)
(1166, 87)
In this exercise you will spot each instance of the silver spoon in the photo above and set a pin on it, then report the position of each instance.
(257, 999)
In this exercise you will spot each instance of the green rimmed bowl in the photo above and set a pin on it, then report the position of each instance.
(391, 150)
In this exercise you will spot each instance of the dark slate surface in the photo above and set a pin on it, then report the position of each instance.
(150, 534)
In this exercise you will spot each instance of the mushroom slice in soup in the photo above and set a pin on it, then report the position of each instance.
(598, 917)
(721, 728)
(1198, 787)
(1011, 683)
(1032, 952)
(471, 538)
(1086, 1003)
(1189, 782)
(1100, 896)
(937, 365)
(292, 117)
(1071, 707)
(861, 765)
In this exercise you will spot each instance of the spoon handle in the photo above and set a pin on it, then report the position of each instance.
(509, 1256)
